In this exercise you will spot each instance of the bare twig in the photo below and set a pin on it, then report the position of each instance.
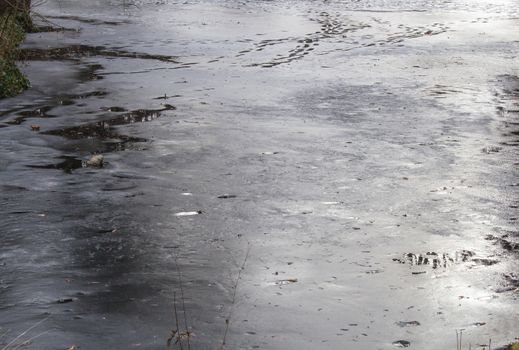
(228, 319)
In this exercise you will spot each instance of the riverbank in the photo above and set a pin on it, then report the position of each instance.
(12, 33)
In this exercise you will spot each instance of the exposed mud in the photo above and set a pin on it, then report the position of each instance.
(22, 115)
(51, 29)
(67, 164)
(93, 21)
(104, 133)
(509, 242)
(35, 113)
(75, 52)
(437, 260)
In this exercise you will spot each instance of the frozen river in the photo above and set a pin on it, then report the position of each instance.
(285, 174)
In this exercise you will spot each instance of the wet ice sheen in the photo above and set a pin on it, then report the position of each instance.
(354, 162)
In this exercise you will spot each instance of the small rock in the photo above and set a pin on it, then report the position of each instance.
(168, 107)
(96, 161)
(35, 127)
(65, 300)
(402, 343)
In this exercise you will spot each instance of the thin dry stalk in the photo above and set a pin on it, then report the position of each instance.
(47, 21)
(183, 305)
(24, 333)
(228, 319)
(4, 25)
(28, 341)
(175, 334)
(14, 5)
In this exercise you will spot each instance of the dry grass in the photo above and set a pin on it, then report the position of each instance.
(24, 338)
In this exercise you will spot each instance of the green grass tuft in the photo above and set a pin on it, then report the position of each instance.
(12, 81)
(12, 33)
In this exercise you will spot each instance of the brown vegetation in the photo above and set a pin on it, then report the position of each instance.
(18, 5)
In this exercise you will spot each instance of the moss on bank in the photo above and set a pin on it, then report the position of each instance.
(12, 32)
(12, 81)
